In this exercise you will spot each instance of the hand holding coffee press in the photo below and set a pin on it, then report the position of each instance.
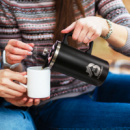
(72, 62)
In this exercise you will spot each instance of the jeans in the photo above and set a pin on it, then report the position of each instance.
(14, 118)
(106, 108)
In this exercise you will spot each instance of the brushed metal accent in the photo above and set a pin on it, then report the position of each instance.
(55, 55)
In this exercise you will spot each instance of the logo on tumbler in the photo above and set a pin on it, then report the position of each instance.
(93, 69)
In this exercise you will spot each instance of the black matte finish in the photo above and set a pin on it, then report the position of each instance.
(73, 62)
(80, 65)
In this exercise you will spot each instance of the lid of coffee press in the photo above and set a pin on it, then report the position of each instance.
(52, 55)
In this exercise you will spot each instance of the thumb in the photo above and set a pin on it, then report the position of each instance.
(69, 28)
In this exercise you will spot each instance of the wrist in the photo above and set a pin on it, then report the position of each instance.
(107, 36)
(105, 28)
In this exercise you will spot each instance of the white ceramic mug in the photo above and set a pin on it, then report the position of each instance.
(38, 82)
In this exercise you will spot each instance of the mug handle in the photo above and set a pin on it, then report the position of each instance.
(65, 41)
(22, 83)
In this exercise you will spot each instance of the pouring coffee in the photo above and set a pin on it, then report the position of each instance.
(75, 63)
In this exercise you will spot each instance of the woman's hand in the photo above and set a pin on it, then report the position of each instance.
(87, 29)
(16, 51)
(8, 88)
(23, 101)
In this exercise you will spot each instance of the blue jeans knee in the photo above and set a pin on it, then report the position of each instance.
(15, 119)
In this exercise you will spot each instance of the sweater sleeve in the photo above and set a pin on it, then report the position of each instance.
(8, 24)
(115, 11)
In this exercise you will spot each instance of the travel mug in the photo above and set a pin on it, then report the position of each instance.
(75, 63)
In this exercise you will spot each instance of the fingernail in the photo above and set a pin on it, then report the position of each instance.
(29, 53)
(30, 100)
(24, 89)
(37, 100)
(25, 99)
(30, 48)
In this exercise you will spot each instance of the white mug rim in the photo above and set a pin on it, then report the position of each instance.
(39, 68)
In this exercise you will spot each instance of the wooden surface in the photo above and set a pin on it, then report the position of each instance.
(101, 48)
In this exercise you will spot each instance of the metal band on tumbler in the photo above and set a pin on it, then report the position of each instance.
(55, 55)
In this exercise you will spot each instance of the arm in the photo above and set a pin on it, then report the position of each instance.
(89, 28)
(10, 30)
(10, 90)
(119, 35)
(116, 12)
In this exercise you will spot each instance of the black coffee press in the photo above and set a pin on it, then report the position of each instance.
(75, 63)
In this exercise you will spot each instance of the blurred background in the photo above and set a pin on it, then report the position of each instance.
(118, 62)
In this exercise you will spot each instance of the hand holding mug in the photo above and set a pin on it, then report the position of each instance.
(23, 101)
(8, 88)
(19, 99)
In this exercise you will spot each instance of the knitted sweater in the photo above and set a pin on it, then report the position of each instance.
(33, 21)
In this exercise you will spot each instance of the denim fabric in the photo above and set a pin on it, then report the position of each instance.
(14, 118)
(107, 108)
(116, 88)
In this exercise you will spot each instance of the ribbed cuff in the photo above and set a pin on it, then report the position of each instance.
(126, 48)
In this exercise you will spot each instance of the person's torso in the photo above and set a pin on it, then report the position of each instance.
(35, 20)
